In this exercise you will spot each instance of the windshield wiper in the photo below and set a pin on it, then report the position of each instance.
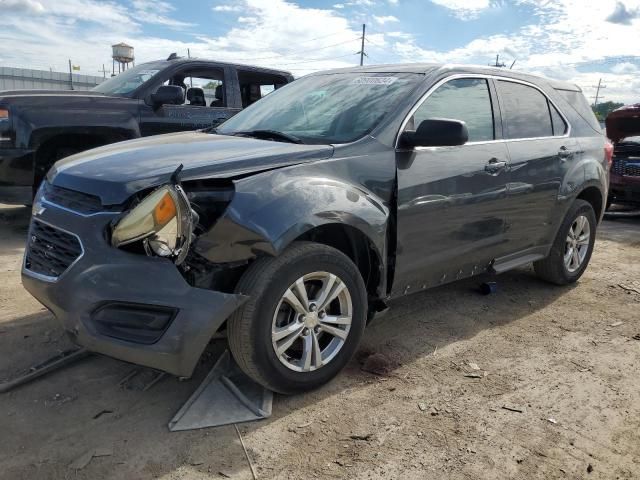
(269, 134)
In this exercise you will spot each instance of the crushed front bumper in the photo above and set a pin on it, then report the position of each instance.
(128, 306)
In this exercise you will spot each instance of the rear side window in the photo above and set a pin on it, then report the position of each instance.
(465, 99)
(559, 125)
(580, 104)
(525, 111)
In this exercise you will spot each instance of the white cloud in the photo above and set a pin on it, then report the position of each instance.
(384, 19)
(27, 6)
(157, 12)
(624, 68)
(228, 8)
(465, 9)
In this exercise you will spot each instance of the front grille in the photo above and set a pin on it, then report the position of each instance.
(79, 202)
(626, 168)
(50, 251)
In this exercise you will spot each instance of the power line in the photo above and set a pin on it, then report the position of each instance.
(324, 36)
(312, 60)
(299, 53)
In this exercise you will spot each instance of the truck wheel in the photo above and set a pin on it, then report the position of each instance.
(572, 248)
(304, 318)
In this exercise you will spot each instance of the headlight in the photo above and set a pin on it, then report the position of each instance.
(162, 221)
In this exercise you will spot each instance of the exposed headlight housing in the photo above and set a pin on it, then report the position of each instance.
(163, 221)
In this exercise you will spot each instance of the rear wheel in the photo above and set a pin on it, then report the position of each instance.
(572, 248)
(304, 318)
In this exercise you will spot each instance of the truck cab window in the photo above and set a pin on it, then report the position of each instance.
(254, 85)
(203, 88)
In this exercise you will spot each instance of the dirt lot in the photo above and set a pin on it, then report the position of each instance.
(565, 361)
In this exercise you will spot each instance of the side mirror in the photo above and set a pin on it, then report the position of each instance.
(167, 95)
(436, 132)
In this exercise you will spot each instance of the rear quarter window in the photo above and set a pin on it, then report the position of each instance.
(579, 104)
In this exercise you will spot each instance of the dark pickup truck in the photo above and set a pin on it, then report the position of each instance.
(38, 127)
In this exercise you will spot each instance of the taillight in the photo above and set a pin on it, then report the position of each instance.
(608, 153)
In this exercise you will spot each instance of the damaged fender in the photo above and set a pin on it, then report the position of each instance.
(275, 208)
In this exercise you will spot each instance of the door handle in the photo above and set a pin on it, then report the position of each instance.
(494, 166)
(564, 153)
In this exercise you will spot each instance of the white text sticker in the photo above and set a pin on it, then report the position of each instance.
(373, 80)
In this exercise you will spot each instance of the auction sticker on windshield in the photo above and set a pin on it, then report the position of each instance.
(373, 80)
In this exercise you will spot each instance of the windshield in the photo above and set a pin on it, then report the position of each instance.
(129, 80)
(323, 109)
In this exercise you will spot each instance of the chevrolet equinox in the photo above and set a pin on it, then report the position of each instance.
(298, 219)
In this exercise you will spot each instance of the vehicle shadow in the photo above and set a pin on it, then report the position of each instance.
(58, 418)
(621, 225)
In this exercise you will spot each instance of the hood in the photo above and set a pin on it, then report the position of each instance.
(48, 93)
(623, 122)
(117, 171)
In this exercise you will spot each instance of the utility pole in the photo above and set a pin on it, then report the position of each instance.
(498, 64)
(361, 52)
(70, 75)
(104, 71)
(598, 88)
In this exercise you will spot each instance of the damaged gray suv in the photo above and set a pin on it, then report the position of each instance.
(295, 221)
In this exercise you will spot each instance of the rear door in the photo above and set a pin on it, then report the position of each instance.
(541, 151)
(452, 200)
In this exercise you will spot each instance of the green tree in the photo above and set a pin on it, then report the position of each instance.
(212, 85)
(605, 108)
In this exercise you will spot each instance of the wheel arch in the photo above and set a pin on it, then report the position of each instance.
(355, 245)
(593, 194)
(46, 142)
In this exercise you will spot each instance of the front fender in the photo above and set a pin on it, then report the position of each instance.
(272, 209)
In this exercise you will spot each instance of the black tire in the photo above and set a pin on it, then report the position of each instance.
(265, 282)
(45, 161)
(553, 269)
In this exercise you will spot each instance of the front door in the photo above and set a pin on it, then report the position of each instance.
(451, 200)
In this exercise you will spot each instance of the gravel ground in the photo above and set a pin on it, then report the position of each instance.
(534, 381)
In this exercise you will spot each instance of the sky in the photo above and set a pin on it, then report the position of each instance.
(581, 41)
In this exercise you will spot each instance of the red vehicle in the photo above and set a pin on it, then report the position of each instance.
(623, 129)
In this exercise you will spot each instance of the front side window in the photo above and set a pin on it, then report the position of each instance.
(464, 99)
(525, 111)
(203, 87)
(326, 109)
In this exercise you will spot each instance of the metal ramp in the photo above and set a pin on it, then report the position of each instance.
(226, 395)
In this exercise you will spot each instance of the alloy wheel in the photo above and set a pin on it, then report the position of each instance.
(577, 243)
(312, 321)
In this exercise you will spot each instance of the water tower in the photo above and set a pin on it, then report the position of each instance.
(123, 54)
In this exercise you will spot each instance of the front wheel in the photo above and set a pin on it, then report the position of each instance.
(572, 248)
(304, 318)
